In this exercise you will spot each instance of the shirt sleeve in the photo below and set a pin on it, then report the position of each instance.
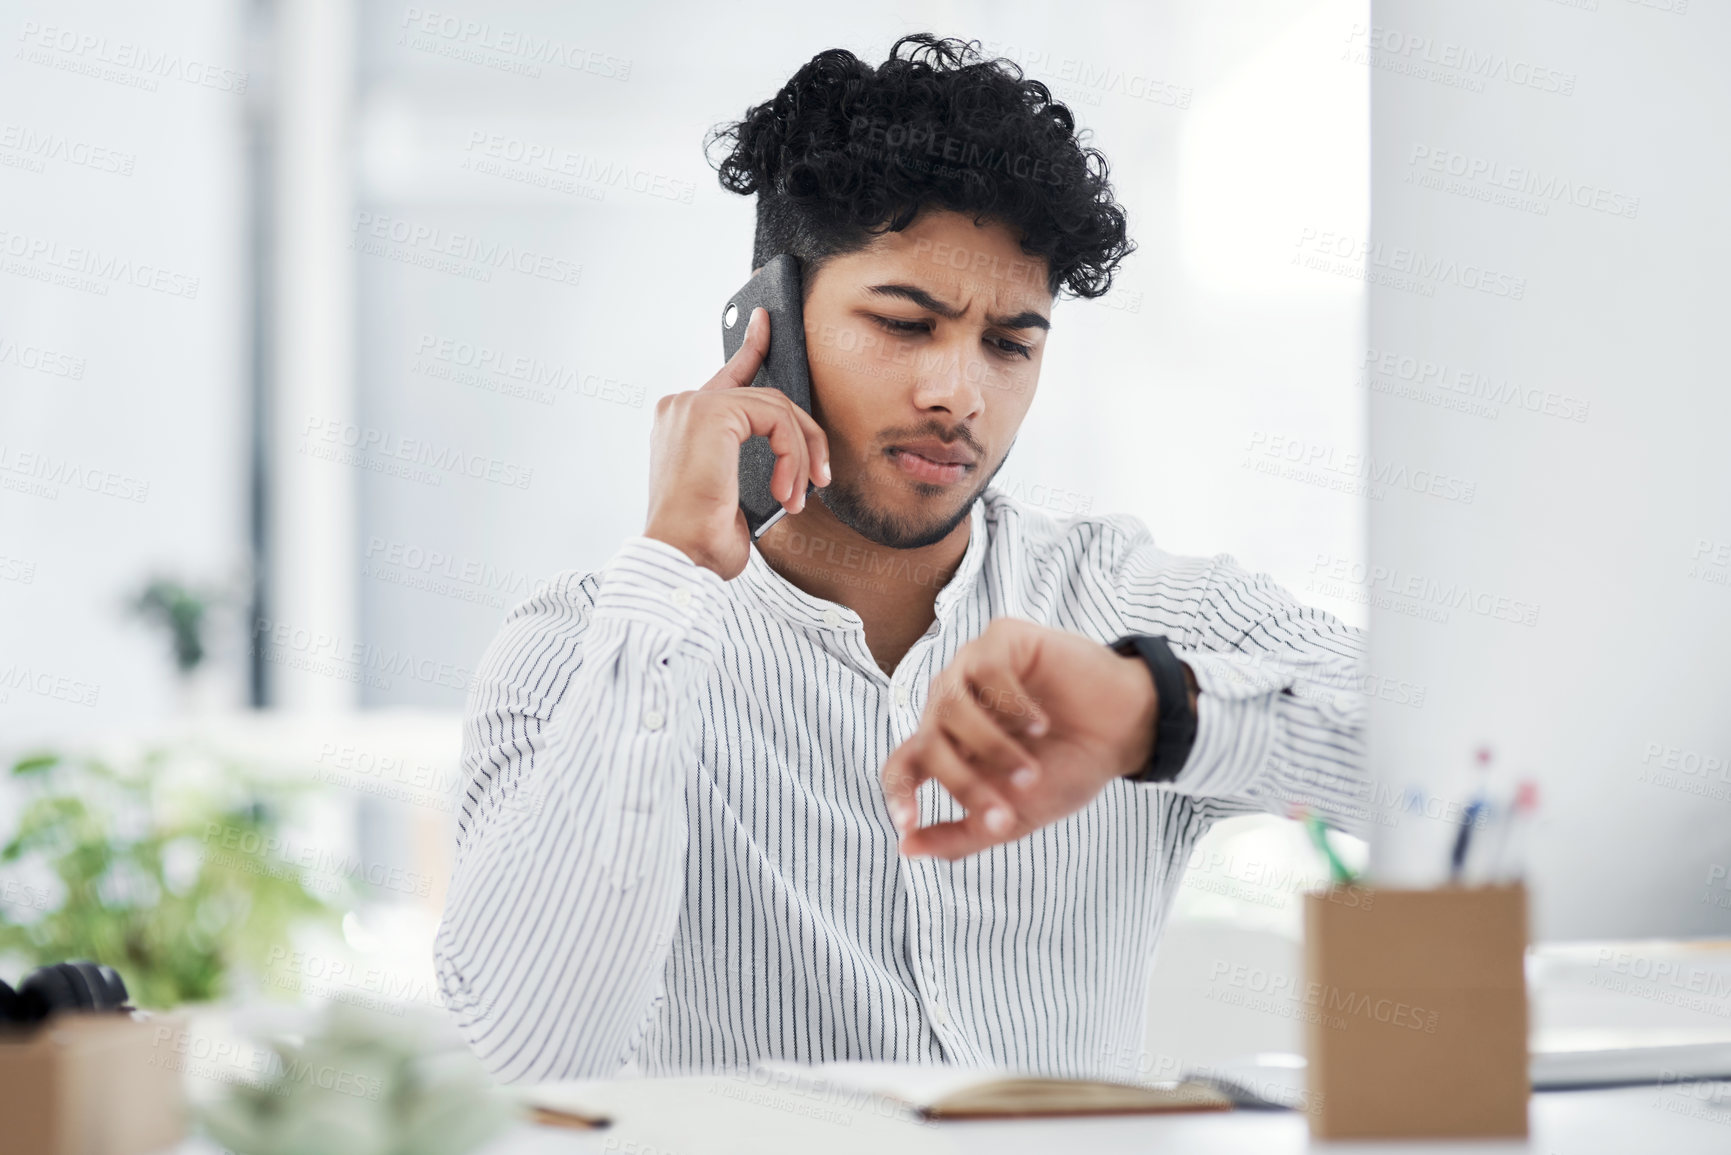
(1281, 710)
(569, 866)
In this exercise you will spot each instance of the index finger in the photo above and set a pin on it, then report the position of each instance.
(741, 368)
(901, 777)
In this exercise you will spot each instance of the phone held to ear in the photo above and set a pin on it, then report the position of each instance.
(776, 287)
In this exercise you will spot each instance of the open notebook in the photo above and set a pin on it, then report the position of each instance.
(938, 1092)
(1262, 1082)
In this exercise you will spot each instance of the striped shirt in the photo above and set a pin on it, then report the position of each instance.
(675, 855)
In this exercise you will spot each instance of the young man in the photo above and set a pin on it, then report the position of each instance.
(878, 786)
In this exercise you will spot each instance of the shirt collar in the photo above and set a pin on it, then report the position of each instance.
(789, 601)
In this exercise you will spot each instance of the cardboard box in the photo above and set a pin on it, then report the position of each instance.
(1419, 1001)
(89, 1084)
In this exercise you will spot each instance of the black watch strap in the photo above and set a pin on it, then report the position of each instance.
(1175, 731)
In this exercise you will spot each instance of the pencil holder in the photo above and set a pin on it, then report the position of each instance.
(1419, 997)
(90, 1084)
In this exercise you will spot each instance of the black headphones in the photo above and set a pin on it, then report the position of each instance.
(67, 986)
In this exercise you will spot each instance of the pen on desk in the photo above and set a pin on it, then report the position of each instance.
(556, 1117)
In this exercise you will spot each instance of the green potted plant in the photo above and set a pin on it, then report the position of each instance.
(158, 872)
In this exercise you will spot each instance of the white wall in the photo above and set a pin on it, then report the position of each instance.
(122, 182)
(1609, 301)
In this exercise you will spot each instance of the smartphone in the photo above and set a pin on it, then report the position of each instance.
(777, 288)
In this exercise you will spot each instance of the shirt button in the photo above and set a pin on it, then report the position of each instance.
(901, 695)
(831, 618)
(653, 720)
(940, 1017)
(682, 596)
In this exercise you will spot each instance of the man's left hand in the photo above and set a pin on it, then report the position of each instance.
(1025, 726)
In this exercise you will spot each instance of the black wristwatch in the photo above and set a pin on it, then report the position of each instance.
(1175, 730)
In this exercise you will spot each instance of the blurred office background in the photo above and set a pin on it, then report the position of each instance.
(256, 254)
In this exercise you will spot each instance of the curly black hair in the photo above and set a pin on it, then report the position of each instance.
(845, 152)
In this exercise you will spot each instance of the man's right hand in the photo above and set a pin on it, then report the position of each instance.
(694, 457)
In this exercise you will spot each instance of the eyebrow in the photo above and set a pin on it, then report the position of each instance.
(1027, 319)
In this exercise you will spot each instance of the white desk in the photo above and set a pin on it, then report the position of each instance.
(699, 1116)
(724, 1114)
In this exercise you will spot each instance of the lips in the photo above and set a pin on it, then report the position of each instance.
(937, 452)
(914, 462)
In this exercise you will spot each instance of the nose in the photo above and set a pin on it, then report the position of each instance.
(951, 380)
